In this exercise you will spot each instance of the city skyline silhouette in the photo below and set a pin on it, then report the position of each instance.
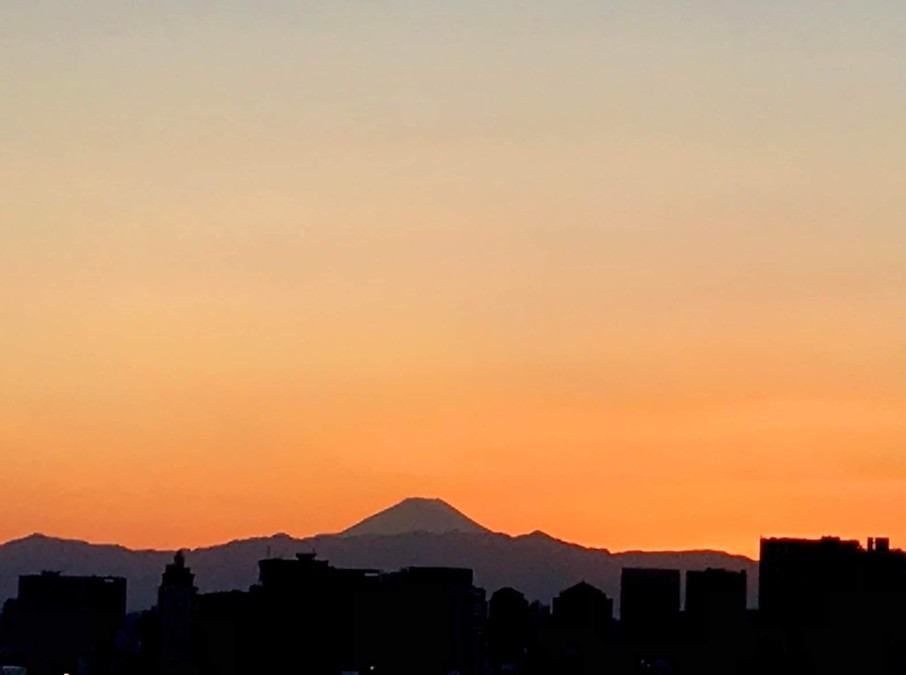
(826, 607)
(416, 337)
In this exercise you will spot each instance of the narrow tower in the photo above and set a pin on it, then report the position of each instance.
(176, 604)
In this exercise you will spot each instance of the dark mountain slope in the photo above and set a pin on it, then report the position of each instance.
(537, 564)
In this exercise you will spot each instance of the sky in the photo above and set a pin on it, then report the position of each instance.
(632, 273)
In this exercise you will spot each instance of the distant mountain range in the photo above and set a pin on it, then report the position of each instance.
(414, 532)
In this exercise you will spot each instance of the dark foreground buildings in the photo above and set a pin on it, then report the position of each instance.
(305, 616)
(833, 606)
(62, 624)
(827, 607)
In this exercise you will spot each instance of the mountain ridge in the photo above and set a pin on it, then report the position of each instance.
(536, 563)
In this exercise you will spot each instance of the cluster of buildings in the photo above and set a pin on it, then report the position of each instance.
(825, 606)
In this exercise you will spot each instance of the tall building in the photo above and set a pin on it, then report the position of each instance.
(67, 624)
(833, 604)
(649, 596)
(716, 596)
(305, 611)
(649, 618)
(221, 633)
(435, 621)
(508, 630)
(583, 605)
(716, 627)
(176, 608)
(581, 630)
(805, 582)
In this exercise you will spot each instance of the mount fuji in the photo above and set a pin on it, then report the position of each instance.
(416, 514)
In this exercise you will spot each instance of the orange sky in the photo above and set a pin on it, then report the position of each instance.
(633, 276)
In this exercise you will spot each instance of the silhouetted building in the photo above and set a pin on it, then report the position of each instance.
(305, 611)
(508, 630)
(716, 596)
(583, 605)
(67, 624)
(828, 605)
(805, 582)
(581, 626)
(540, 651)
(222, 630)
(882, 607)
(716, 630)
(649, 597)
(176, 609)
(436, 620)
(649, 618)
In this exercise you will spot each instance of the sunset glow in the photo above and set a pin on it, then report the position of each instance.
(632, 275)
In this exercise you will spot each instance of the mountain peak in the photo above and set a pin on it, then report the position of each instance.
(38, 538)
(416, 514)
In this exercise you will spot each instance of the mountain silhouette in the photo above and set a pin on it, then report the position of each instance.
(414, 532)
(415, 514)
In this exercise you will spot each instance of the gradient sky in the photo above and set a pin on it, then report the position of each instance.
(629, 272)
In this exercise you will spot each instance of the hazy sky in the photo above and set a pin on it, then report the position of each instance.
(629, 272)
